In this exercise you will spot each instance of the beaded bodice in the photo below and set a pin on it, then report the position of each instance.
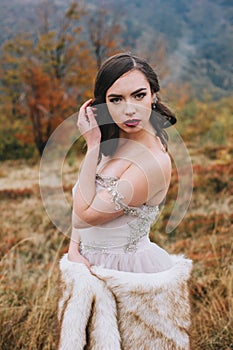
(121, 234)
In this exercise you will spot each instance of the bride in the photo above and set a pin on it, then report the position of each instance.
(126, 171)
(119, 290)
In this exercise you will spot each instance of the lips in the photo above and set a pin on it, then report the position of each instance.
(132, 122)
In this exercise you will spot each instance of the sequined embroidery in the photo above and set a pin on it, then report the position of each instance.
(111, 183)
(141, 226)
(94, 246)
(138, 228)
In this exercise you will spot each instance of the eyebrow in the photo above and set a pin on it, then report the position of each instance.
(133, 93)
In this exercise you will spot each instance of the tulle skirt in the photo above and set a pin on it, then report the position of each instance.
(148, 258)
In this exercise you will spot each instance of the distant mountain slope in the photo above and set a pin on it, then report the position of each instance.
(199, 33)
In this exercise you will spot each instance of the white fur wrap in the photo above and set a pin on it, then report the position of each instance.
(113, 310)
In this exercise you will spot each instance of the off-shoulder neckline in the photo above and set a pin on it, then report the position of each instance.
(104, 176)
(116, 178)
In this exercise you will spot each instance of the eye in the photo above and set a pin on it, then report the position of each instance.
(115, 100)
(140, 96)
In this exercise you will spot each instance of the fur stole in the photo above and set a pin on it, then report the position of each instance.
(113, 310)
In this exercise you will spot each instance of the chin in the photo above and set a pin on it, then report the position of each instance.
(131, 130)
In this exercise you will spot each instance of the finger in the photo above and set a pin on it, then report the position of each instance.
(83, 116)
(86, 113)
(82, 119)
(92, 122)
(91, 116)
(86, 104)
(90, 111)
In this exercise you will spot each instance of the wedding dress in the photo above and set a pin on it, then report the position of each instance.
(123, 244)
(136, 294)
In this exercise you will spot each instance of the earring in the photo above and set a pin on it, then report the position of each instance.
(154, 102)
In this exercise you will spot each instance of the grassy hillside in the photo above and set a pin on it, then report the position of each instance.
(31, 247)
(195, 39)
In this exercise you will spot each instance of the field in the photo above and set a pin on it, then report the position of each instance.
(31, 247)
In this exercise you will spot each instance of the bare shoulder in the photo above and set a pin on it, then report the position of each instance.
(147, 177)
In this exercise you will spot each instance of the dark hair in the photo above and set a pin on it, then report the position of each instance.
(111, 70)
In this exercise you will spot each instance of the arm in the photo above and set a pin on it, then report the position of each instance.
(136, 184)
(86, 202)
(73, 252)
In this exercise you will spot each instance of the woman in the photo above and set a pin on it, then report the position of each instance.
(125, 292)
(134, 163)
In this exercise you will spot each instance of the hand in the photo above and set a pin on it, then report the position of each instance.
(75, 256)
(88, 126)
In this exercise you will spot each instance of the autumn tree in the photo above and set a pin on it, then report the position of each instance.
(104, 26)
(13, 59)
(47, 74)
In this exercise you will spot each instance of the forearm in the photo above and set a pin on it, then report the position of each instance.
(73, 247)
(74, 254)
(74, 241)
(86, 190)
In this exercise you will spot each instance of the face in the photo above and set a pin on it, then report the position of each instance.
(129, 102)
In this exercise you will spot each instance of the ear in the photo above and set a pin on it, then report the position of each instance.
(153, 97)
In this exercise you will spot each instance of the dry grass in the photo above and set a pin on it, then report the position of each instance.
(31, 247)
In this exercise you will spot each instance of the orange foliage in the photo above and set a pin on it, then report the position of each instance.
(46, 78)
(179, 94)
(214, 178)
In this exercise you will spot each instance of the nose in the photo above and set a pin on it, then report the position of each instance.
(129, 109)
